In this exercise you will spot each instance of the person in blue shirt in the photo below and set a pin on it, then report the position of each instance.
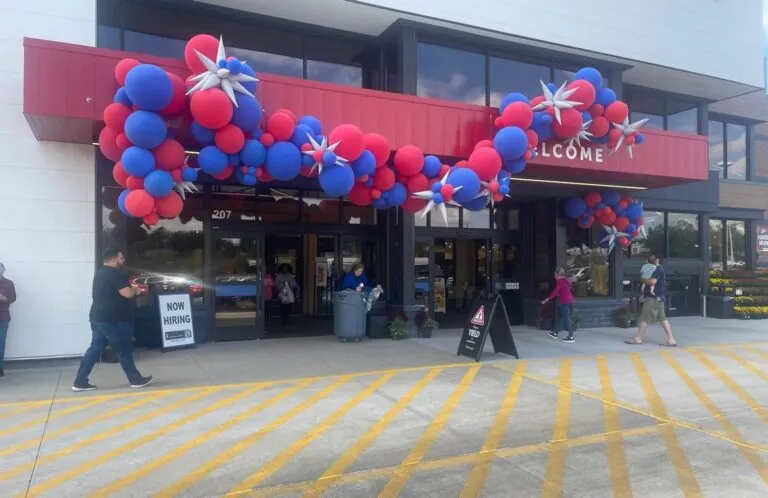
(653, 307)
(354, 280)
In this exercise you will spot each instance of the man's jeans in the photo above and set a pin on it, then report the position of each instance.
(3, 333)
(120, 337)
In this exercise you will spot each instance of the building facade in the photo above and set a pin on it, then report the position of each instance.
(427, 73)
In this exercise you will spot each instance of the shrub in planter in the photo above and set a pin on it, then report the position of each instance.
(625, 317)
(427, 327)
(398, 328)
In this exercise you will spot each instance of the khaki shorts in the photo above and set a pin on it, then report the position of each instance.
(653, 311)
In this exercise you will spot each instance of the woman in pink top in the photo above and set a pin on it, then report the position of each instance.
(564, 302)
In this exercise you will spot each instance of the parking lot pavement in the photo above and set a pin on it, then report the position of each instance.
(669, 422)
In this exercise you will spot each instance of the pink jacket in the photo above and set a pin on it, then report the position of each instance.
(562, 291)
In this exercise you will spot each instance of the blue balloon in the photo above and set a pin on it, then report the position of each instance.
(634, 211)
(552, 87)
(542, 125)
(313, 123)
(159, 184)
(620, 212)
(137, 161)
(436, 187)
(248, 85)
(432, 166)
(121, 97)
(632, 228)
(510, 142)
(369, 182)
(222, 64)
(145, 129)
(337, 181)
(605, 97)
(380, 203)
(149, 87)
(639, 138)
(590, 74)
(307, 160)
(121, 202)
(203, 135)
(584, 221)
(212, 160)
(438, 199)
(249, 180)
(514, 166)
(329, 158)
(586, 117)
(512, 97)
(364, 165)
(467, 180)
(397, 195)
(253, 153)
(574, 207)
(301, 135)
(504, 189)
(248, 112)
(234, 66)
(257, 134)
(476, 204)
(610, 197)
(601, 140)
(189, 174)
(284, 161)
(598, 206)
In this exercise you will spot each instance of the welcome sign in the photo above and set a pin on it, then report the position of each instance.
(571, 152)
(176, 321)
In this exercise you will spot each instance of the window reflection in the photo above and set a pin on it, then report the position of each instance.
(476, 219)
(716, 261)
(653, 243)
(736, 244)
(450, 74)
(682, 117)
(716, 147)
(269, 63)
(108, 37)
(507, 75)
(762, 244)
(587, 264)
(331, 72)
(736, 151)
(357, 215)
(161, 46)
(760, 166)
(683, 235)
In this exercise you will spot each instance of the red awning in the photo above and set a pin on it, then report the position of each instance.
(67, 87)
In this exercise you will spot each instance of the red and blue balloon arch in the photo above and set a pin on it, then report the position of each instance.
(239, 143)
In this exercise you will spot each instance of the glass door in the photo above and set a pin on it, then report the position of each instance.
(239, 287)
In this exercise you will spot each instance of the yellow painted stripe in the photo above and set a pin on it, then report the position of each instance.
(403, 473)
(617, 460)
(56, 414)
(358, 448)
(289, 453)
(746, 364)
(231, 452)
(121, 450)
(688, 483)
(553, 478)
(478, 475)
(759, 352)
(88, 422)
(6, 474)
(22, 409)
(742, 393)
(445, 463)
(752, 456)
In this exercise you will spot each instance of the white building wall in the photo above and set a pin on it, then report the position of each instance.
(722, 38)
(47, 225)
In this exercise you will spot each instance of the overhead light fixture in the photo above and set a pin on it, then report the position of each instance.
(576, 184)
(193, 152)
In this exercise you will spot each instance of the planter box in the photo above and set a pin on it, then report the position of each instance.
(720, 307)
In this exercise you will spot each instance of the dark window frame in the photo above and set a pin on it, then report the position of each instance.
(724, 242)
(665, 254)
(633, 92)
(749, 136)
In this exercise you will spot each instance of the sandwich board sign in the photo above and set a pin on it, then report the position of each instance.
(176, 324)
(488, 316)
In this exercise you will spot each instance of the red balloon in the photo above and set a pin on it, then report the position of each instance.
(459, 164)
(360, 195)
(230, 139)
(537, 100)
(498, 197)
(592, 198)
(263, 175)
(179, 100)
(569, 125)
(418, 183)
(169, 155)
(122, 68)
(626, 198)
(151, 219)
(226, 174)
(444, 169)
(585, 93)
(170, 206)
(413, 205)
(586, 224)
(517, 114)
(621, 223)
(384, 179)
(640, 221)
(119, 174)
(624, 242)
(352, 141)
(447, 192)
(622, 204)
(267, 140)
(108, 144)
(629, 140)
(599, 126)
(308, 172)
(139, 203)
(533, 138)
(483, 143)
(596, 110)
(614, 135)
(122, 142)
(177, 175)
(498, 122)
(375, 193)
(134, 183)
(378, 146)
(281, 126)
(115, 115)
(617, 112)
(288, 112)
(608, 218)
(409, 160)
(486, 162)
(528, 155)
(211, 108)
(206, 45)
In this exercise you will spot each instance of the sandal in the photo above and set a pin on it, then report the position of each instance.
(668, 345)
(633, 341)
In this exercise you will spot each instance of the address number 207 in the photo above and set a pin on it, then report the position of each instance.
(221, 214)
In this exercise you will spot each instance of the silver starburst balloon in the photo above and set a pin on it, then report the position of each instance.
(627, 129)
(584, 134)
(215, 76)
(485, 191)
(430, 195)
(558, 100)
(613, 233)
(319, 149)
(184, 187)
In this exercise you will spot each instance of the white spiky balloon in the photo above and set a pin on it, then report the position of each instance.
(558, 100)
(627, 129)
(323, 147)
(613, 233)
(215, 76)
(429, 195)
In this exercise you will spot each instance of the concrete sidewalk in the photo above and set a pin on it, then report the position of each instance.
(277, 359)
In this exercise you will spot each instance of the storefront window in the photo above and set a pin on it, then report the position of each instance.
(761, 240)
(727, 244)
(760, 167)
(161, 46)
(736, 151)
(108, 37)
(357, 215)
(269, 63)
(451, 74)
(683, 235)
(331, 72)
(507, 75)
(653, 243)
(587, 264)
(319, 208)
(647, 107)
(682, 117)
(717, 147)
(476, 219)
(716, 244)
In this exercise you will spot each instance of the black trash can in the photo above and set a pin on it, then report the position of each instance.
(349, 310)
(378, 322)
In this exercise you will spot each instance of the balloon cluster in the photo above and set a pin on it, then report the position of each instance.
(149, 163)
(620, 216)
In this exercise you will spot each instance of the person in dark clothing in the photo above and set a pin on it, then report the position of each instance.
(653, 308)
(287, 289)
(355, 279)
(111, 322)
(7, 298)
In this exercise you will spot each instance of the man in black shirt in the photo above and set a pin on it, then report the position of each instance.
(653, 307)
(111, 322)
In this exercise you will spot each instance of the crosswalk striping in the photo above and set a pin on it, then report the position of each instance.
(739, 370)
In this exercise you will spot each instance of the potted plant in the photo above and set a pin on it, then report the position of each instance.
(398, 329)
(427, 327)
